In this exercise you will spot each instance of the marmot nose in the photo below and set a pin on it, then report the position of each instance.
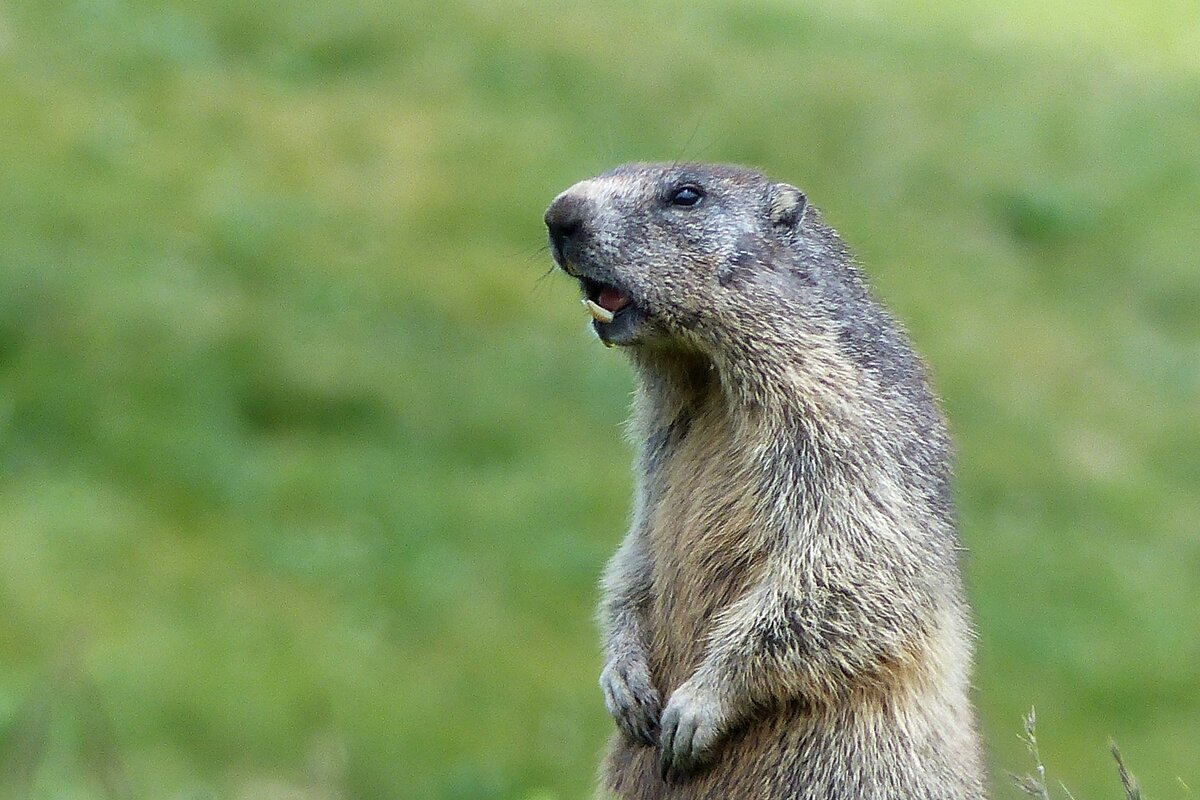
(564, 218)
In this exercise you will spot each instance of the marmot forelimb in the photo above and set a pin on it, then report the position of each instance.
(785, 618)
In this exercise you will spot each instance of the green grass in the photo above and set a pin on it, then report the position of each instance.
(307, 474)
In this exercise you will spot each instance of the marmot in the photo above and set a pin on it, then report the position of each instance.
(785, 618)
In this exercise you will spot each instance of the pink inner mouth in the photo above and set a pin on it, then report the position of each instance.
(612, 300)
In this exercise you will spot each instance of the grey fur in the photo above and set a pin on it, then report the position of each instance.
(785, 618)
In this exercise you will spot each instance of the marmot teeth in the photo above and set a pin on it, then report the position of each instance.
(598, 312)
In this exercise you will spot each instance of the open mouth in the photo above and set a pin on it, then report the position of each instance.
(603, 301)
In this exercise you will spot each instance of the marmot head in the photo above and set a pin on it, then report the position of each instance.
(681, 253)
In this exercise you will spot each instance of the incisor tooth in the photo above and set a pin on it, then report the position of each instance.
(598, 312)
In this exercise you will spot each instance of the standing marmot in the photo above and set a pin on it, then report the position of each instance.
(785, 618)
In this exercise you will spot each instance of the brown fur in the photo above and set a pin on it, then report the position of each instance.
(785, 618)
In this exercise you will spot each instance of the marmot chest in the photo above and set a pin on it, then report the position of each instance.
(704, 540)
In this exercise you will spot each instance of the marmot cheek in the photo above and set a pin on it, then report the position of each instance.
(728, 272)
(725, 274)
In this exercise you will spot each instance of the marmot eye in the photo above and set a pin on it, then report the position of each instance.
(686, 195)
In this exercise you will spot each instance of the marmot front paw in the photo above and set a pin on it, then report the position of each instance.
(693, 723)
(631, 698)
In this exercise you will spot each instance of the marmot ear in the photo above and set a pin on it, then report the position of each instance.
(788, 205)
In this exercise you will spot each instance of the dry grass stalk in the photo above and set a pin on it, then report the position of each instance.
(1132, 790)
(1034, 784)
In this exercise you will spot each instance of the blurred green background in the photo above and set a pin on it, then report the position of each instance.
(307, 470)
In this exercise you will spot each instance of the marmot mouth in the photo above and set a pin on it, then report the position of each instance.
(602, 300)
